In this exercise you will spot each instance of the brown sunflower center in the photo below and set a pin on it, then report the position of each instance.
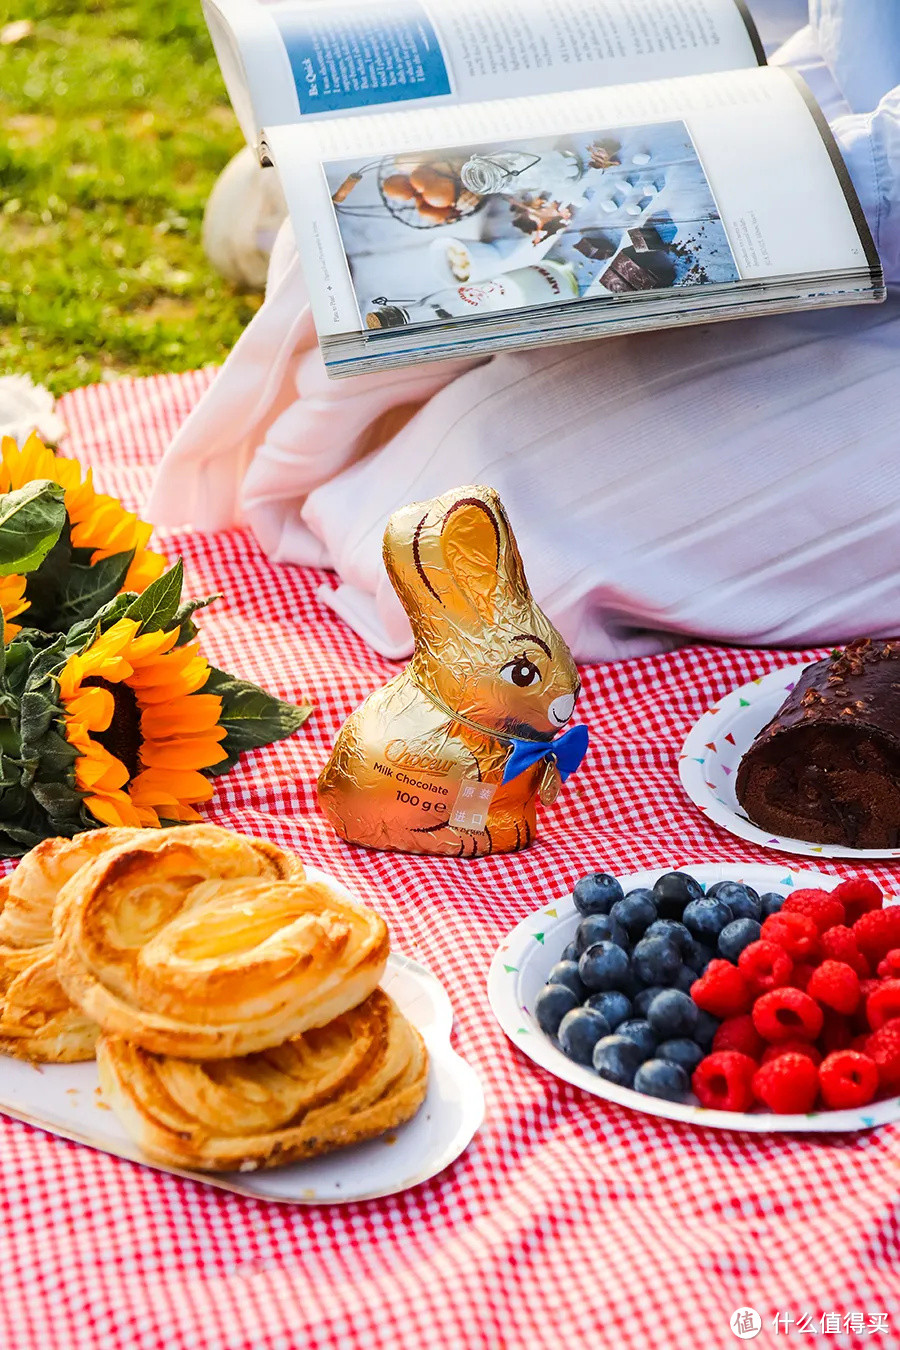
(123, 737)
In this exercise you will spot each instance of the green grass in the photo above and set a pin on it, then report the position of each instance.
(115, 125)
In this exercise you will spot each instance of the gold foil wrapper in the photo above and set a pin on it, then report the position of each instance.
(419, 765)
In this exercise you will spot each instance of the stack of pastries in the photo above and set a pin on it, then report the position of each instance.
(232, 1002)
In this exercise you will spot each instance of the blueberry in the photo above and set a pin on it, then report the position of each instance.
(570, 952)
(706, 918)
(614, 1006)
(698, 956)
(681, 1051)
(642, 1001)
(566, 972)
(672, 1014)
(599, 928)
(617, 1060)
(673, 891)
(706, 1028)
(604, 966)
(596, 893)
(551, 1006)
(741, 900)
(770, 904)
(685, 979)
(662, 1078)
(635, 912)
(579, 1032)
(734, 937)
(641, 1033)
(674, 931)
(656, 960)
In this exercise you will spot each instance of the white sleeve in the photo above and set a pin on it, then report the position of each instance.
(870, 144)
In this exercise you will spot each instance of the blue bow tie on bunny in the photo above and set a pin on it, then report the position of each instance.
(568, 750)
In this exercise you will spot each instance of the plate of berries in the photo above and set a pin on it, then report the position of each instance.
(744, 998)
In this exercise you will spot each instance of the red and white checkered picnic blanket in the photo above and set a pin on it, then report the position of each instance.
(568, 1221)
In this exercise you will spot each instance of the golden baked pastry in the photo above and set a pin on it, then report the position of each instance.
(29, 893)
(204, 944)
(37, 1020)
(364, 1073)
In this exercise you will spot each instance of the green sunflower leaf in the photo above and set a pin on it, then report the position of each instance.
(31, 520)
(87, 589)
(251, 716)
(184, 618)
(157, 607)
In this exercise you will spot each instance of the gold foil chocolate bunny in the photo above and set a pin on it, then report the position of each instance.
(449, 757)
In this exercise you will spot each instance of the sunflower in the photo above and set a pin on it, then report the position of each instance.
(12, 603)
(98, 523)
(142, 729)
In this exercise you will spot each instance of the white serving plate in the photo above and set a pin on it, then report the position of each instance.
(66, 1100)
(715, 747)
(519, 970)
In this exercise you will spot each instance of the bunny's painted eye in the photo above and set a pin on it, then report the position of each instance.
(521, 673)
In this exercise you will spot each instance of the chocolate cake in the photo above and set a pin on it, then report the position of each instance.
(827, 766)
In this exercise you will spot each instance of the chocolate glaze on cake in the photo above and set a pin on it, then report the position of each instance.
(827, 767)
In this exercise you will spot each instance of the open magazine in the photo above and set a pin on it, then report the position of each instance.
(468, 177)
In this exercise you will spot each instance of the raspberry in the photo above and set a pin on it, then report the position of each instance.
(722, 990)
(836, 986)
(788, 1085)
(859, 1044)
(847, 1079)
(858, 896)
(802, 974)
(723, 1081)
(889, 966)
(883, 1046)
(791, 1048)
(796, 933)
(819, 906)
(739, 1033)
(883, 1004)
(785, 1014)
(878, 932)
(765, 966)
(839, 944)
(837, 1032)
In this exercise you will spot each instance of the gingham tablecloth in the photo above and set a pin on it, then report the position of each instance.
(568, 1221)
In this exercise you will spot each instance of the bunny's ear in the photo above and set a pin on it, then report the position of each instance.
(472, 542)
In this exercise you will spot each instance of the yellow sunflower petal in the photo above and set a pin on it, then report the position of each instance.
(193, 713)
(199, 753)
(94, 707)
(187, 681)
(114, 809)
(145, 567)
(186, 784)
(103, 774)
(148, 645)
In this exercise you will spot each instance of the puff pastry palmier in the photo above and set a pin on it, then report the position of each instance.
(37, 1019)
(29, 893)
(362, 1074)
(205, 945)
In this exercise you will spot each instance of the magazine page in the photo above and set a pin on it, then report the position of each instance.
(668, 192)
(288, 59)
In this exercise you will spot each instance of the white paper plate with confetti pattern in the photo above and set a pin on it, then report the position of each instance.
(715, 747)
(519, 971)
